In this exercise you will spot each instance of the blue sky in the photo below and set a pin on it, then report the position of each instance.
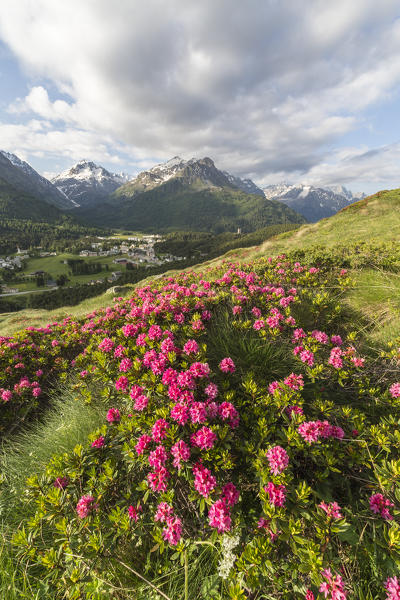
(304, 91)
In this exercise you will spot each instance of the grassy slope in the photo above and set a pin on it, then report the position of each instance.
(375, 296)
(18, 205)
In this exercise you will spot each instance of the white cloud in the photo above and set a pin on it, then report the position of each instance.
(262, 86)
(38, 102)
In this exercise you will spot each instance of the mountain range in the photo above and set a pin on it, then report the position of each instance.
(187, 195)
(177, 194)
(314, 203)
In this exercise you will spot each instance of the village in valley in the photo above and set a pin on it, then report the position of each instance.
(108, 256)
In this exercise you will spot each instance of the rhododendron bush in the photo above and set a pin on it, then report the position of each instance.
(239, 414)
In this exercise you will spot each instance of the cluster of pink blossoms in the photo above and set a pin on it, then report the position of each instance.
(180, 451)
(204, 438)
(392, 586)
(133, 512)
(85, 506)
(106, 345)
(311, 431)
(204, 481)
(172, 533)
(332, 510)
(98, 443)
(380, 506)
(113, 415)
(333, 587)
(276, 493)
(395, 390)
(219, 516)
(335, 358)
(227, 365)
(294, 382)
(278, 459)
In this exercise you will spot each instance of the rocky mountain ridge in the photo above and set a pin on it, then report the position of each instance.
(22, 177)
(87, 183)
(314, 203)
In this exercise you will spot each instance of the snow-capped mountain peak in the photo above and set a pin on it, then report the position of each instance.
(314, 203)
(85, 183)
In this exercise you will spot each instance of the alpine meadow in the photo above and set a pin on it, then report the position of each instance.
(200, 321)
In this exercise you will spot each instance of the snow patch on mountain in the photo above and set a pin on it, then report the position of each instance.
(312, 202)
(85, 183)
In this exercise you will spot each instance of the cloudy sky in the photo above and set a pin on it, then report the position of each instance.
(277, 90)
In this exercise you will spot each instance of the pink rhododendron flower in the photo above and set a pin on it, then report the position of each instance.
(259, 324)
(172, 533)
(142, 443)
(227, 365)
(199, 370)
(98, 443)
(320, 336)
(158, 457)
(164, 510)
(227, 411)
(180, 451)
(106, 345)
(204, 481)
(333, 586)
(159, 430)
(380, 506)
(309, 431)
(155, 332)
(295, 382)
(191, 347)
(122, 384)
(278, 459)
(85, 506)
(125, 365)
(129, 330)
(141, 340)
(169, 376)
(273, 387)
(133, 512)
(392, 585)
(113, 415)
(276, 493)
(6, 395)
(141, 402)
(336, 340)
(309, 595)
(180, 413)
(204, 438)
(335, 357)
(211, 391)
(198, 412)
(230, 494)
(395, 390)
(332, 510)
(219, 516)
(158, 480)
(306, 356)
(297, 410)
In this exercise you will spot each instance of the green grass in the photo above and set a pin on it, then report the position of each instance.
(376, 300)
(68, 422)
(12, 322)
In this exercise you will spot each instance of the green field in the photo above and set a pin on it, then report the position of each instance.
(54, 266)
